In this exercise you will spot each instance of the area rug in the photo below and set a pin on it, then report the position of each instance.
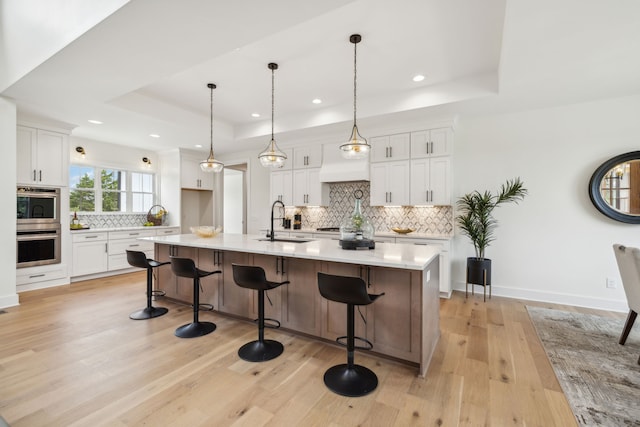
(600, 378)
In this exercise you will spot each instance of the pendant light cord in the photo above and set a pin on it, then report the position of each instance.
(211, 134)
(273, 72)
(355, 73)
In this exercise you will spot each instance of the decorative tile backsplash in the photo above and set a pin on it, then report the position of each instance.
(112, 220)
(432, 219)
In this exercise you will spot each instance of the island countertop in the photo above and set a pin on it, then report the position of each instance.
(394, 255)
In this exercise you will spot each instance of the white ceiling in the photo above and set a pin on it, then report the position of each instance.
(144, 68)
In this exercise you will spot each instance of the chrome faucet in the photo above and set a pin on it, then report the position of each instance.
(271, 235)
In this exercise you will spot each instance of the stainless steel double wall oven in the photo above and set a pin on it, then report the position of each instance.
(38, 226)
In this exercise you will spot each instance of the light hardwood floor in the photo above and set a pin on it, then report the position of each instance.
(70, 356)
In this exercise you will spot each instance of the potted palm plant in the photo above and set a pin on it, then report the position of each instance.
(477, 222)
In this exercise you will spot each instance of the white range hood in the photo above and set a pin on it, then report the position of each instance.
(336, 168)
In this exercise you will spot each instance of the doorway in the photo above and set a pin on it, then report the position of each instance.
(235, 199)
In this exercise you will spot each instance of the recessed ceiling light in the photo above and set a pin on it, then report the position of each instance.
(95, 122)
(418, 78)
(255, 115)
(317, 101)
(154, 135)
(198, 145)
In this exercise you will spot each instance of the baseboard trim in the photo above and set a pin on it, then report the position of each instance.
(7, 301)
(556, 298)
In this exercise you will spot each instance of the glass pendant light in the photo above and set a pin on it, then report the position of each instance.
(211, 164)
(357, 147)
(272, 157)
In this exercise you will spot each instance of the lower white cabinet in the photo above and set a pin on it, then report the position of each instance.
(282, 187)
(90, 253)
(390, 183)
(430, 181)
(105, 251)
(307, 188)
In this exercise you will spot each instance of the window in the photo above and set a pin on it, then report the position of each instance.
(117, 191)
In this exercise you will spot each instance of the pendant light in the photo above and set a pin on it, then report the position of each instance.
(272, 157)
(211, 164)
(357, 147)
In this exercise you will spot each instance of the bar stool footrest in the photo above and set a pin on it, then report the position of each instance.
(368, 346)
(204, 307)
(268, 323)
(158, 293)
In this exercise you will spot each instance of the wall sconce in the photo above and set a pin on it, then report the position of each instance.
(81, 151)
(147, 161)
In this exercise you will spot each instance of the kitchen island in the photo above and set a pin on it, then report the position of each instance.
(403, 324)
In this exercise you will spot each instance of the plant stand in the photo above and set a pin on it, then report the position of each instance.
(478, 273)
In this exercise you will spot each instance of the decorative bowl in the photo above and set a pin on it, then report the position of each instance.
(205, 231)
(402, 230)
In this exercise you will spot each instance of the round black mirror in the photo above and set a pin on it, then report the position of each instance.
(614, 188)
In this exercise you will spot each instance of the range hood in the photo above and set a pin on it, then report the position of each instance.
(336, 168)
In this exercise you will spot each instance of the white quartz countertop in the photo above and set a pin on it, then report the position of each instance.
(394, 255)
(94, 230)
(413, 235)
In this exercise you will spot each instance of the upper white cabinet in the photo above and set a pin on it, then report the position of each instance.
(434, 142)
(307, 157)
(430, 181)
(390, 183)
(282, 186)
(192, 177)
(307, 188)
(390, 148)
(42, 157)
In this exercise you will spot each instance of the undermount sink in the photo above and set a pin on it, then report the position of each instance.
(285, 239)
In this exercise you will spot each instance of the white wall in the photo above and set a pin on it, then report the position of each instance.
(554, 246)
(233, 201)
(8, 295)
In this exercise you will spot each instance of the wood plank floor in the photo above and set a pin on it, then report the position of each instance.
(70, 356)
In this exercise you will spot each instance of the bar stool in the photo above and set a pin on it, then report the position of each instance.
(253, 277)
(185, 267)
(349, 379)
(140, 260)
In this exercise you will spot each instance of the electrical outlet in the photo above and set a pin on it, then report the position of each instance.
(611, 282)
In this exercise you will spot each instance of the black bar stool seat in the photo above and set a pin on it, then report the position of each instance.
(185, 267)
(140, 260)
(348, 379)
(253, 277)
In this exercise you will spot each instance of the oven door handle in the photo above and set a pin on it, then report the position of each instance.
(31, 237)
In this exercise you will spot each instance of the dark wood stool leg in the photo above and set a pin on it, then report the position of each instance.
(631, 318)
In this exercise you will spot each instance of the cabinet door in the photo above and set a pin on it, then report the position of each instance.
(26, 144)
(399, 146)
(300, 187)
(233, 299)
(300, 298)
(307, 157)
(209, 260)
(334, 314)
(398, 183)
(391, 313)
(282, 187)
(52, 158)
(191, 176)
(272, 266)
(378, 184)
(440, 180)
(317, 192)
(379, 149)
(90, 257)
(441, 142)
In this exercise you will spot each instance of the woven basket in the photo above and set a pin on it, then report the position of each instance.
(157, 215)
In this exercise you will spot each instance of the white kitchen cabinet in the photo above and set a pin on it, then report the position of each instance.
(192, 177)
(431, 181)
(390, 184)
(121, 241)
(390, 148)
(307, 157)
(445, 260)
(307, 188)
(282, 187)
(42, 157)
(433, 142)
(90, 253)
(167, 231)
